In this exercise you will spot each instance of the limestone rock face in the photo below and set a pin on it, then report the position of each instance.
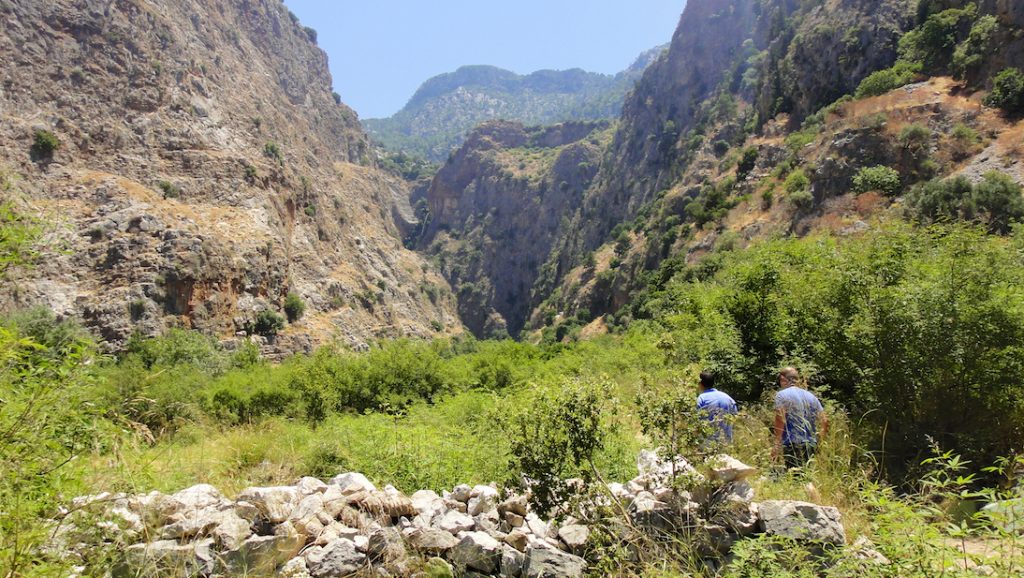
(802, 521)
(204, 171)
(498, 198)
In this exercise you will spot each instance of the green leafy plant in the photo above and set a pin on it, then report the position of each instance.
(266, 323)
(45, 143)
(883, 81)
(879, 178)
(294, 307)
(1008, 91)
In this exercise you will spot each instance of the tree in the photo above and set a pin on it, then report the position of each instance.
(1008, 91)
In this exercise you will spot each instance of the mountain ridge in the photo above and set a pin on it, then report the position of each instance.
(446, 107)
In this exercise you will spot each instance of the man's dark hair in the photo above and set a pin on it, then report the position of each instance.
(707, 379)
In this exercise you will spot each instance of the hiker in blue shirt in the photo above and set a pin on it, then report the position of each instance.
(798, 416)
(716, 406)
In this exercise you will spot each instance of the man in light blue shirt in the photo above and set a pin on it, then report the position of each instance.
(716, 406)
(798, 415)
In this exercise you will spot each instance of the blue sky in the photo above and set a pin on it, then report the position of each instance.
(382, 50)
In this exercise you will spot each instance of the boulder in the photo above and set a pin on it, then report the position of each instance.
(274, 503)
(455, 522)
(352, 482)
(518, 540)
(192, 559)
(740, 491)
(231, 530)
(512, 562)
(339, 558)
(476, 551)
(260, 555)
(308, 486)
(198, 497)
(801, 521)
(306, 516)
(515, 504)
(514, 520)
(648, 512)
(1007, 515)
(385, 544)
(727, 469)
(461, 493)
(438, 568)
(536, 526)
(431, 540)
(427, 503)
(383, 504)
(544, 563)
(294, 568)
(574, 536)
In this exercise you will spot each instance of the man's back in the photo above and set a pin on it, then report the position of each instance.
(802, 410)
(717, 405)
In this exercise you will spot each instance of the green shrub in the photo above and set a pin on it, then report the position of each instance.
(797, 181)
(272, 150)
(294, 307)
(802, 199)
(176, 348)
(170, 190)
(747, 163)
(995, 202)
(45, 143)
(877, 83)
(965, 141)
(1008, 91)
(880, 178)
(557, 437)
(19, 234)
(266, 323)
(915, 137)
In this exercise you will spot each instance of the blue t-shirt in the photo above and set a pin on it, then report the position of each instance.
(716, 405)
(802, 411)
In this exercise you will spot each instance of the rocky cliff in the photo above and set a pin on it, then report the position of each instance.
(445, 109)
(496, 208)
(203, 170)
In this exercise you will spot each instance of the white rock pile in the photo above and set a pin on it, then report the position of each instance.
(348, 526)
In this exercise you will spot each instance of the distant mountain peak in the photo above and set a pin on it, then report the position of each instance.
(448, 106)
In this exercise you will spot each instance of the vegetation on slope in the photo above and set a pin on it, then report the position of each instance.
(888, 326)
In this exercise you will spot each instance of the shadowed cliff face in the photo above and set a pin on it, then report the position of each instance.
(496, 208)
(204, 171)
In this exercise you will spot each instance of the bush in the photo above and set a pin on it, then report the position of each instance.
(170, 190)
(883, 81)
(557, 437)
(294, 307)
(797, 181)
(966, 142)
(995, 202)
(747, 163)
(802, 199)
(18, 236)
(45, 144)
(1008, 91)
(881, 178)
(272, 150)
(267, 323)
